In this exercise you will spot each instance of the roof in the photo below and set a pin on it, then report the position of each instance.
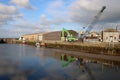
(35, 33)
(111, 30)
(94, 32)
(59, 32)
(41, 33)
(91, 37)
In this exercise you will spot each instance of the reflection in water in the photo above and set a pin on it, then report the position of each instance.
(23, 62)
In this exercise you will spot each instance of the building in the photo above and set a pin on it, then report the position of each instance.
(56, 36)
(110, 35)
(7, 40)
(30, 37)
(92, 37)
(47, 36)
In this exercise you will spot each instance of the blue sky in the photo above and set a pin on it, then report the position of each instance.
(18, 17)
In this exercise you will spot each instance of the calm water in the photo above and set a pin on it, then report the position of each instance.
(23, 62)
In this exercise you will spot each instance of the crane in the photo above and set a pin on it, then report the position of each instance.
(68, 36)
(90, 27)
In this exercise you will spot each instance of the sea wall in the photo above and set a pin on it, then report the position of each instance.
(93, 48)
(89, 48)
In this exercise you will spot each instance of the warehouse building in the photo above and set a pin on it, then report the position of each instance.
(47, 36)
(30, 37)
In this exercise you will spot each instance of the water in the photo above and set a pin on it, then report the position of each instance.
(23, 62)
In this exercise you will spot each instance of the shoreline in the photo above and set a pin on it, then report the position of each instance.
(86, 48)
(79, 50)
(91, 48)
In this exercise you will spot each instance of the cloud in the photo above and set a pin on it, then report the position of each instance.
(44, 20)
(28, 27)
(56, 4)
(57, 9)
(5, 18)
(8, 33)
(5, 9)
(22, 4)
(60, 12)
(8, 13)
(85, 10)
(82, 12)
(16, 30)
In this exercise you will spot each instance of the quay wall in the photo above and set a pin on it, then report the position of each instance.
(92, 48)
(99, 48)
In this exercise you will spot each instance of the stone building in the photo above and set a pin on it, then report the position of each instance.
(110, 35)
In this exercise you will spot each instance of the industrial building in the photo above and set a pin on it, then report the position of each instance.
(108, 35)
(30, 37)
(47, 36)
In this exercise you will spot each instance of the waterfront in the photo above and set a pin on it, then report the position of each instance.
(24, 62)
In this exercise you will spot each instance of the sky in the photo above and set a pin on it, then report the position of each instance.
(18, 17)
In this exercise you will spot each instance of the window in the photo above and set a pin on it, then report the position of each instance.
(111, 38)
(106, 38)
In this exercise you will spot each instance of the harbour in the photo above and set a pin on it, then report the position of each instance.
(59, 40)
(26, 62)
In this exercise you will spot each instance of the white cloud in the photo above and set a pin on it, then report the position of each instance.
(57, 9)
(8, 13)
(56, 4)
(8, 33)
(59, 12)
(5, 9)
(79, 11)
(22, 3)
(85, 10)
(44, 20)
(57, 20)
(28, 27)
(5, 18)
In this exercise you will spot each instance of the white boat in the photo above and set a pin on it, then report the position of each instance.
(37, 44)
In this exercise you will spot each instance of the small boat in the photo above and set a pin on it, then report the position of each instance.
(37, 44)
(42, 44)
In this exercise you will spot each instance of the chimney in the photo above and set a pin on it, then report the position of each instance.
(116, 28)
